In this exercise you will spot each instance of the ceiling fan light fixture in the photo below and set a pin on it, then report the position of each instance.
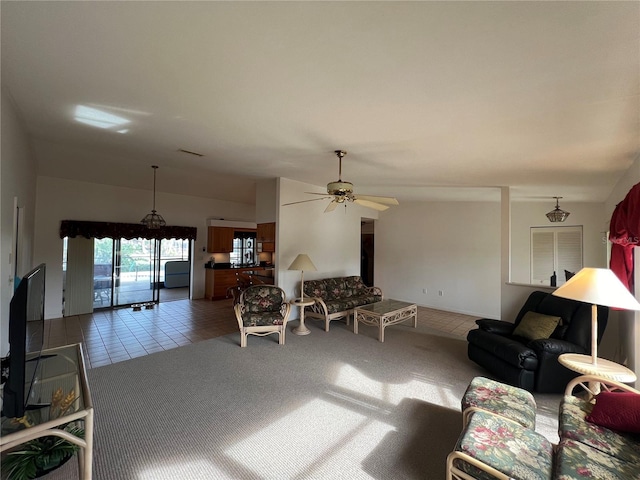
(153, 220)
(339, 188)
(341, 192)
(557, 214)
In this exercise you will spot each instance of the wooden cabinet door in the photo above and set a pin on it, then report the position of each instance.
(220, 240)
(266, 232)
(223, 279)
(209, 283)
(268, 246)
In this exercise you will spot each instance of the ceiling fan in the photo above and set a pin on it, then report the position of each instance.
(341, 192)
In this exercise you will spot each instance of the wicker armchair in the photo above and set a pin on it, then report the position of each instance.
(262, 310)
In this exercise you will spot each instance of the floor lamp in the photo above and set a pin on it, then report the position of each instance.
(302, 263)
(597, 286)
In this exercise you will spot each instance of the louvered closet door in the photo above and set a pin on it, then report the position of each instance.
(542, 257)
(569, 252)
(555, 249)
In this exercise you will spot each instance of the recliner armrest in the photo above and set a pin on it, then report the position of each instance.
(554, 346)
(499, 327)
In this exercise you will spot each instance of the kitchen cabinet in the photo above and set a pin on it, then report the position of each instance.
(266, 232)
(218, 281)
(220, 239)
(268, 246)
(266, 236)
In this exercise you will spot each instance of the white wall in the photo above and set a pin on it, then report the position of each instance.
(60, 199)
(332, 240)
(17, 180)
(448, 246)
(525, 215)
(266, 200)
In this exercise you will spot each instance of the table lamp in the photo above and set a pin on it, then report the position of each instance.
(302, 263)
(597, 286)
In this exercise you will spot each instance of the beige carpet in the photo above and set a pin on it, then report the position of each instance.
(324, 406)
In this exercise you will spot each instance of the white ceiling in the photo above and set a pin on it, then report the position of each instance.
(540, 96)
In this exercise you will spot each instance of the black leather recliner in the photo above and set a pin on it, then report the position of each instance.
(533, 364)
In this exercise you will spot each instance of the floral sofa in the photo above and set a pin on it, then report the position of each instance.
(599, 435)
(337, 297)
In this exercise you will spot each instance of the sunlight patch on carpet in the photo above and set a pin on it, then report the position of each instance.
(285, 449)
(351, 379)
(193, 470)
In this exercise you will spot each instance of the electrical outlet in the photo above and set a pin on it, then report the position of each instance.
(424, 290)
(440, 293)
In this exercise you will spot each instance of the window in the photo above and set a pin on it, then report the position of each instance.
(555, 250)
(244, 249)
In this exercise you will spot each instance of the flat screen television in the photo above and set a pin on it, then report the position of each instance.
(26, 336)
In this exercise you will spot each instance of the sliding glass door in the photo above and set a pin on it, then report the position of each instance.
(128, 271)
(136, 271)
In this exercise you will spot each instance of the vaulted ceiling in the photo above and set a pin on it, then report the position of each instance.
(540, 96)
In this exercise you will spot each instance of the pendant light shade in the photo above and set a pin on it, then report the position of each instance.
(557, 215)
(153, 220)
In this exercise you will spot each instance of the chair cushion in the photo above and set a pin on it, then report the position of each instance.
(572, 425)
(253, 319)
(315, 288)
(514, 450)
(512, 402)
(534, 326)
(262, 298)
(354, 287)
(575, 460)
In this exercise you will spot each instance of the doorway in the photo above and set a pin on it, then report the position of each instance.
(367, 250)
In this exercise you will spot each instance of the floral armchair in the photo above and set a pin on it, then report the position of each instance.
(262, 310)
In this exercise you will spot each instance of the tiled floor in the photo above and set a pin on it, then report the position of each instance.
(116, 335)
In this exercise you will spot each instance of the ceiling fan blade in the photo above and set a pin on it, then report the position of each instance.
(374, 198)
(304, 201)
(331, 207)
(370, 204)
(314, 193)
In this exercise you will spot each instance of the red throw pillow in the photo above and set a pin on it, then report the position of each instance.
(617, 411)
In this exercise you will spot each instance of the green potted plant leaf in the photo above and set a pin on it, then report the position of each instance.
(39, 456)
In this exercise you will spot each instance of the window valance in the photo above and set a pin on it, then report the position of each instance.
(76, 228)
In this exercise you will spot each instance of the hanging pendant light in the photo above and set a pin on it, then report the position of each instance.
(557, 215)
(153, 220)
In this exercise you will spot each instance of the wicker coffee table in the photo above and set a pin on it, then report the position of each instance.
(384, 313)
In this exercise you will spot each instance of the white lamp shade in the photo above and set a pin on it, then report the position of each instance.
(303, 262)
(598, 286)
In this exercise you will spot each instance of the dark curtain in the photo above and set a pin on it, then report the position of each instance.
(75, 228)
(624, 233)
(244, 235)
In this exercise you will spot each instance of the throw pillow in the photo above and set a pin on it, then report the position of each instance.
(534, 326)
(617, 411)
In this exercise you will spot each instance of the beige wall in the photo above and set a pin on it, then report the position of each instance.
(17, 181)
(453, 247)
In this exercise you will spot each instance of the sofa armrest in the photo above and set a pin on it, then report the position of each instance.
(554, 346)
(319, 307)
(375, 291)
(499, 327)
